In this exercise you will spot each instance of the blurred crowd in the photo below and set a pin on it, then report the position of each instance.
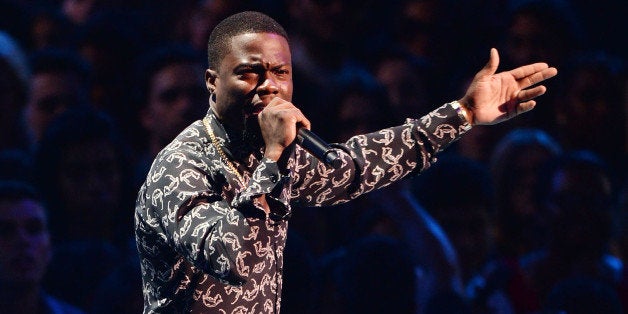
(529, 216)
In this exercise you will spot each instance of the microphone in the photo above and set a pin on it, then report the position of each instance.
(317, 147)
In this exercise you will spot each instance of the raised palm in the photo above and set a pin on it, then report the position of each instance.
(495, 97)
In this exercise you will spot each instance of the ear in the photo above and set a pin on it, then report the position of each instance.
(210, 80)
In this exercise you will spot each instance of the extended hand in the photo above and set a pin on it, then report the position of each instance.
(492, 98)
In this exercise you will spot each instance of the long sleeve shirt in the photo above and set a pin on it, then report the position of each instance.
(204, 243)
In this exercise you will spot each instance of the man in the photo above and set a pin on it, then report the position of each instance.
(59, 81)
(211, 218)
(172, 98)
(26, 250)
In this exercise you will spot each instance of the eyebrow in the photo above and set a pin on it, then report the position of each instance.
(257, 65)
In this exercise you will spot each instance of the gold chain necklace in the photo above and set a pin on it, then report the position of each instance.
(221, 152)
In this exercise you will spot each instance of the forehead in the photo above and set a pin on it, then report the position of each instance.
(264, 47)
(177, 74)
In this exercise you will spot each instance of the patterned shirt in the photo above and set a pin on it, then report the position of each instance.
(206, 246)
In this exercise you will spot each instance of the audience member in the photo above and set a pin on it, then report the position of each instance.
(203, 17)
(83, 172)
(111, 41)
(395, 213)
(49, 28)
(464, 218)
(59, 81)
(406, 80)
(26, 250)
(577, 190)
(527, 39)
(521, 226)
(171, 94)
(592, 114)
(361, 106)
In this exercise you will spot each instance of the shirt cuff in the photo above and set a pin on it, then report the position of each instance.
(268, 180)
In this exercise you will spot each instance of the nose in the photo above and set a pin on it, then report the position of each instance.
(267, 86)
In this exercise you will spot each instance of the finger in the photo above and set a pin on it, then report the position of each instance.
(491, 66)
(525, 106)
(538, 77)
(527, 70)
(296, 117)
(527, 94)
(304, 122)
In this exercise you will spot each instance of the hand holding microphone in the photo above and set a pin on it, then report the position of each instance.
(277, 123)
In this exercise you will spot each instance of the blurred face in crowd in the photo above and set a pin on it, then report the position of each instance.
(50, 95)
(205, 16)
(579, 201)
(90, 184)
(24, 243)
(176, 98)
(529, 41)
(321, 19)
(78, 11)
(257, 69)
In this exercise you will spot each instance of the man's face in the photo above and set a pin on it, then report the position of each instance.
(176, 98)
(24, 242)
(257, 69)
(90, 178)
(50, 95)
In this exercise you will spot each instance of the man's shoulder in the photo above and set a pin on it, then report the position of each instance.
(189, 150)
(190, 141)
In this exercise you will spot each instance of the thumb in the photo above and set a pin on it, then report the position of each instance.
(491, 66)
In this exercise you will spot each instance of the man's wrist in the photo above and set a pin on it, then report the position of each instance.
(463, 110)
(465, 115)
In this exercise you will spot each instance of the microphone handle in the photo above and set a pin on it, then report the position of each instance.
(317, 147)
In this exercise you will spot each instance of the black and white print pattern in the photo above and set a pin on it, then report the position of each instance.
(205, 246)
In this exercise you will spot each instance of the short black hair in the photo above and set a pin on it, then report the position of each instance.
(237, 24)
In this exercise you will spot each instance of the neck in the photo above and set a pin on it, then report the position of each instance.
(244, 138)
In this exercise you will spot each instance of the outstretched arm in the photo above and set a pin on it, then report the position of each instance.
(495, 97)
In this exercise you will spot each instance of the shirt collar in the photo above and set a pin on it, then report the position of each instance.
(230, 140)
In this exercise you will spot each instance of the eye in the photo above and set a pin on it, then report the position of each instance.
(248, 72)
(281, 71)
